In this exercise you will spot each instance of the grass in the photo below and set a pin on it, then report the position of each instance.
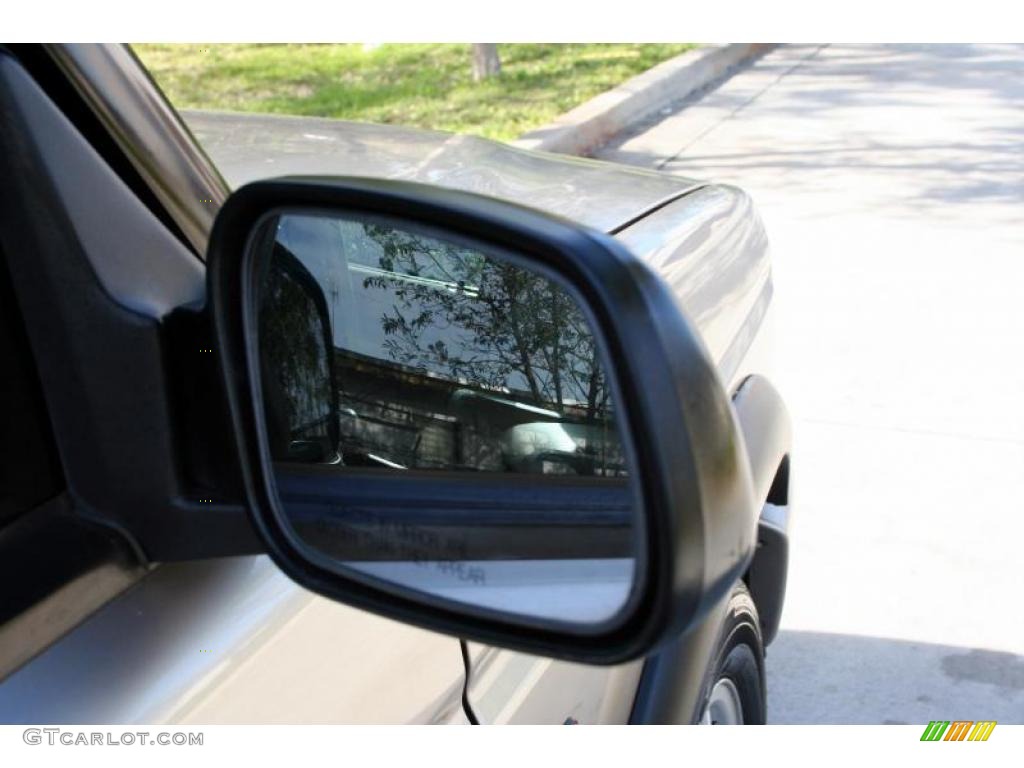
(428, 86)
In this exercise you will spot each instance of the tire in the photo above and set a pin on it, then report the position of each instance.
(734, 685)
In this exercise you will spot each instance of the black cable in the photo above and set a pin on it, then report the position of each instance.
(466, 706)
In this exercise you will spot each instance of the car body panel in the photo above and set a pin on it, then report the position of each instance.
(236, 641)
(712, 250)
(511, 688)
(601, 195)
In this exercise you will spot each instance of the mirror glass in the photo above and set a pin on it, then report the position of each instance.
(440, 417)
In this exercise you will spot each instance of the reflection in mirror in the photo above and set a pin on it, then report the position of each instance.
(390, 358)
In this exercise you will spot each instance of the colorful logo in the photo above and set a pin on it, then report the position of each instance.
(958, 730)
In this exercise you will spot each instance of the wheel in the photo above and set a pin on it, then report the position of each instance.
(734, 691)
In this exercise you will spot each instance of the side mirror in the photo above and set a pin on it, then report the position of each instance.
(475, 417)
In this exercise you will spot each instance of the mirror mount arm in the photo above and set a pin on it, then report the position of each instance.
(207, 517)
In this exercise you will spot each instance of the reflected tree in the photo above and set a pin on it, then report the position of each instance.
(492, 324)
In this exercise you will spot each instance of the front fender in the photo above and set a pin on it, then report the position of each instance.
(671, 683)
(765, 423)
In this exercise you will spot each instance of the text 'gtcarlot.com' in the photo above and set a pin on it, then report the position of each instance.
(55, 736)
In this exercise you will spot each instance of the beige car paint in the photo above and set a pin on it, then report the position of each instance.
(234, 640)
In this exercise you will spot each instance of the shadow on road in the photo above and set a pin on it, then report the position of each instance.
(820, 677)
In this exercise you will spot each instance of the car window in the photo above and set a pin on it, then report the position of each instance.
(444, 358)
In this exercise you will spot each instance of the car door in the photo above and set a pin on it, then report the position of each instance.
(90, 630)
(507, 687)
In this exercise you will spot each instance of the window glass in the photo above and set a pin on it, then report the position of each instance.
(443, 357)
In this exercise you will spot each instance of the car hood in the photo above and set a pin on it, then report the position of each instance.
(605, 196)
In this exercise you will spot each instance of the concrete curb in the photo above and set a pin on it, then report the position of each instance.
(592, 124)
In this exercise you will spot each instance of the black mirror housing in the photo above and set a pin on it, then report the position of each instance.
(689, 462)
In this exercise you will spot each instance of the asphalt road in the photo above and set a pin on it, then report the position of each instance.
(891, 181)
